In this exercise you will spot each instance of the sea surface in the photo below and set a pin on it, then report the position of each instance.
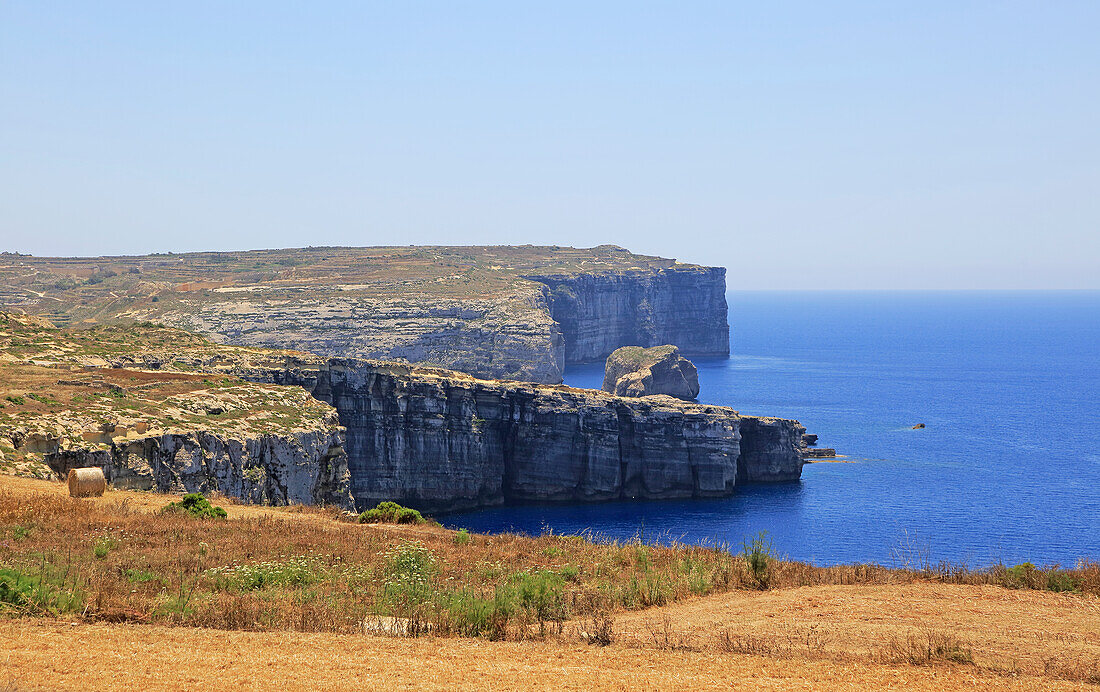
(1007, 468)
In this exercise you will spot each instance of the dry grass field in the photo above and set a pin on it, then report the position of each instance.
(146, 600)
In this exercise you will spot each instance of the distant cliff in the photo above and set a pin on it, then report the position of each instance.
(679, 304)
(440, 440)
(504, 312)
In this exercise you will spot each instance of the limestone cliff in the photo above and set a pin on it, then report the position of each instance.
(771, 449)
(273, 469)
(159, 409)
(675, 304)
(440, 440)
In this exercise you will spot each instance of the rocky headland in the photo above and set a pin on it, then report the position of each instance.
(635, 371)
(518, 313)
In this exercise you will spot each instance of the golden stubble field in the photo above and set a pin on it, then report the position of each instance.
(893, 631)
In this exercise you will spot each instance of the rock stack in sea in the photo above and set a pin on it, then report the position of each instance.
(634, 371)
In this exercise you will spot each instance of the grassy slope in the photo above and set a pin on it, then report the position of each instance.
(822, 627)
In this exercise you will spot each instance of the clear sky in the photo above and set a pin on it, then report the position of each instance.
(800, 144)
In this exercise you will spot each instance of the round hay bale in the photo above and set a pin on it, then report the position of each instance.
(89, 482)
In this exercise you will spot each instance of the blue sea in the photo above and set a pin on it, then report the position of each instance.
(1007, 468)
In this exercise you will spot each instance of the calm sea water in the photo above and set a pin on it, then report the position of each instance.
(1007, 469)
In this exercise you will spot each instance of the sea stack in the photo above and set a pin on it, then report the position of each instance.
(635, 371)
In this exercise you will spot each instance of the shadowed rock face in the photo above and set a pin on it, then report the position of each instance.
(768, 449)
(634, 371)
(439, 440)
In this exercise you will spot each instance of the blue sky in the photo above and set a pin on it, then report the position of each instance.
(799, 144)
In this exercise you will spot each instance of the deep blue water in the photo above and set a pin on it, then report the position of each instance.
(1007, 469)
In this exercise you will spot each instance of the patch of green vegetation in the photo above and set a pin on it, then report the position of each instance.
(293, 572)
(41, 594)
(198, 506)
(19, 532)
(462, 537)
(17, 400)
(102, 546)
(391, 513)
(141, 576)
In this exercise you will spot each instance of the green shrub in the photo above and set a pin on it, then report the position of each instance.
(196, 505)
(408, 586)
(391, 513)
(462, 537)
(758, 556)
(1059, 580)
(540, 593)
(470, 615)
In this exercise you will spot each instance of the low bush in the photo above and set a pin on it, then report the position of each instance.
(758, 557)
(391, 513)
(195, 505)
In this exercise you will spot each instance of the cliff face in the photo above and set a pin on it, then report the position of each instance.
(441, 441)
(771, 449)
(678, 304)
(511, 336)
(160, 409)
(295, 468)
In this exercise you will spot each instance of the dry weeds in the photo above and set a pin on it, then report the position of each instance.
(284, 570)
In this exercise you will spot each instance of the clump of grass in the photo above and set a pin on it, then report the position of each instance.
(927, 647)
(102, 547)
(391, 513)
(195, 505)
(462, 537)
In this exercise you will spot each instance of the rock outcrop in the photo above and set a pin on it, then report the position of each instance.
(634, 371)
(440, 440)
(160, 409)
(510, 336)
